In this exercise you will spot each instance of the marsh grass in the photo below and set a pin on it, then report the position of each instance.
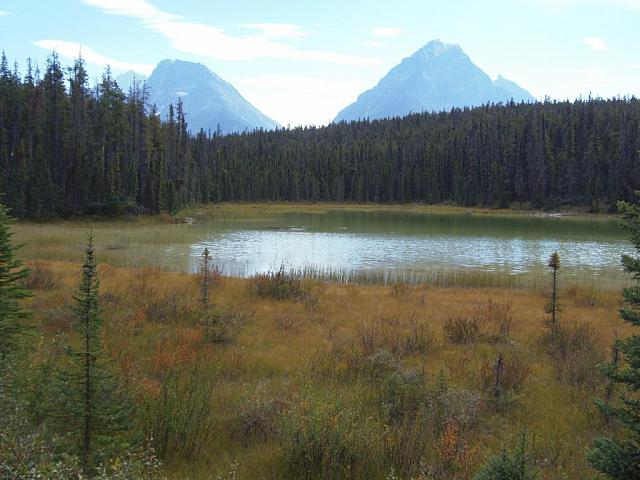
(278, 285)
(575, 349)
(361, 379)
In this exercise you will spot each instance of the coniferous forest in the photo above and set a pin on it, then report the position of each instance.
(68, 147)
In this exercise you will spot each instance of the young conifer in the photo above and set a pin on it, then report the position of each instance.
(12, 272)
(554, 264)
(205, 271)
(91, 409)
(619, 457)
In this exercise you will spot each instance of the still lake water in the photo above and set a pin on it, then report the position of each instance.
(393, 242)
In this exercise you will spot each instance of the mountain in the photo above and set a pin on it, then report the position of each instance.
(208, 100)
(512, 91)
(125, 80)
(437, 77)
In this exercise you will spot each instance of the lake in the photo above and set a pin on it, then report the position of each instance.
(352, 245)
(408, 246)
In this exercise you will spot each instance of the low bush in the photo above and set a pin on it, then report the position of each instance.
(28, 453)
(181, 418)
(41, 277)
(418, 413)
(395, 334)
(514, 465)
(462, 330)
(513, 375)
(418, 337)
(403, 395)
(223, 326)
(168, 308)
(492, 323)
(575, 351)
(280, 285)
(500, 316)
(330, 438)
(260, 418)
(588, 297)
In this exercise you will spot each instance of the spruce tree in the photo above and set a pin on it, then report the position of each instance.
(205, 269)
(514, 465)
(619, 457)
(12, 314)
(554, 265)
(92, 411)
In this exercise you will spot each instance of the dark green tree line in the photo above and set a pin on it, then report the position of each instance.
(67, 148)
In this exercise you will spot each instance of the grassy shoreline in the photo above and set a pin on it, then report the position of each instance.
(259, 209)
(251, 209)
(143, 241)
(313, 358)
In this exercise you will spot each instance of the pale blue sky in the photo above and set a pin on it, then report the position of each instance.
(300, 62)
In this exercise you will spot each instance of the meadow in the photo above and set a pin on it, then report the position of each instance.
(289, 377)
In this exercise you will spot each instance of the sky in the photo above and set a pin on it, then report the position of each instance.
(300, 61)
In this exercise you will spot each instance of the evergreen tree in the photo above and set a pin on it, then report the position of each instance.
(12, 314)
(619, 457)
(91, 411)
(554, 265)
(205, 270)
(515, 465)
(66, 149)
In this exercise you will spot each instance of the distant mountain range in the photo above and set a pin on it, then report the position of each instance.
(209, 102)
(437, 77)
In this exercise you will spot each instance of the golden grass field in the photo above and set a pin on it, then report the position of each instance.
(310, 359)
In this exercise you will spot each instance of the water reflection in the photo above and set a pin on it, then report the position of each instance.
(356, 241)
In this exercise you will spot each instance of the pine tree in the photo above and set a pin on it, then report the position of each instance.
(92, 410)
(515, 465)
(619, 457)
(205, 269)
(554, 265)
(12, 314)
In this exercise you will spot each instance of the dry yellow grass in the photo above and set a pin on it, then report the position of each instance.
(292, 347)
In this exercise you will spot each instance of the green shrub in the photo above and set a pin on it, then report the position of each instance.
(181, 420)
(575, 351)
(462, 330)
(514, 465)
(403, 395)
(492, 323)
(259, 418)
(418, 413)
(513, 373)
(40, 278)
(224, 326)
(330, 438)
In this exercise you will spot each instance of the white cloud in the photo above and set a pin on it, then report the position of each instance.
(373, 43)
(4, 13)
(280, 97)
(596, 43)
(278, 30)
(387, 32)
(73, 50)
(213, 42)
